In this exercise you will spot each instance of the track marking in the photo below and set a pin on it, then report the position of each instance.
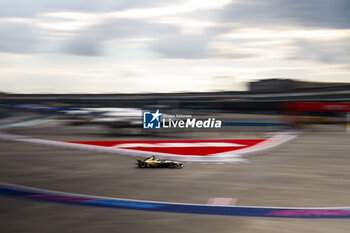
(180, 144)
(206, 155)
(222, 201)
(173, 207)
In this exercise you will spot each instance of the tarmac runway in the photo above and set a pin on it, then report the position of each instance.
(310, 171)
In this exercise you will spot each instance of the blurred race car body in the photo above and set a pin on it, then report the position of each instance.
(152, 162)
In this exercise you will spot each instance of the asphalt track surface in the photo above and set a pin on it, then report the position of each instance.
(310, 171)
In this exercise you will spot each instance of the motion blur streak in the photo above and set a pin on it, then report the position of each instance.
(68, 198)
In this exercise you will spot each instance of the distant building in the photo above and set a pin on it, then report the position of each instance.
(289, 85)
(272, 85)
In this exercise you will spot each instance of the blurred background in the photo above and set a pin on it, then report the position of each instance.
(87, 70)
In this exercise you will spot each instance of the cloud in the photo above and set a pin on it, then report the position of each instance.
(331, 52)
(18, 38)
(184, 41)
(83, 47)
(115, 30)
(310, 13)
(167, 40)
(182, 47)
(30, 8)
(197, 47)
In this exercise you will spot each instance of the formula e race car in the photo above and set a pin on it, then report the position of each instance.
(153, 162)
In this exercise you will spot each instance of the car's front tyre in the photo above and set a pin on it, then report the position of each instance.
(175, 165)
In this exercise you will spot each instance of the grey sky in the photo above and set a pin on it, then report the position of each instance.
(162, 46)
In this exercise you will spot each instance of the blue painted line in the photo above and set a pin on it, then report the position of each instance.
(86, 200)
(250, 124)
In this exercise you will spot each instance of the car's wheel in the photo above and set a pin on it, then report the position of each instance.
(172, 165)
(180, 166)
(142, 165)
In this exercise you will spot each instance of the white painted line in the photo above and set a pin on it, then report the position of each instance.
(222, 201)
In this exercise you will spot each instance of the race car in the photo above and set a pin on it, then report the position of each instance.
(159, 163)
